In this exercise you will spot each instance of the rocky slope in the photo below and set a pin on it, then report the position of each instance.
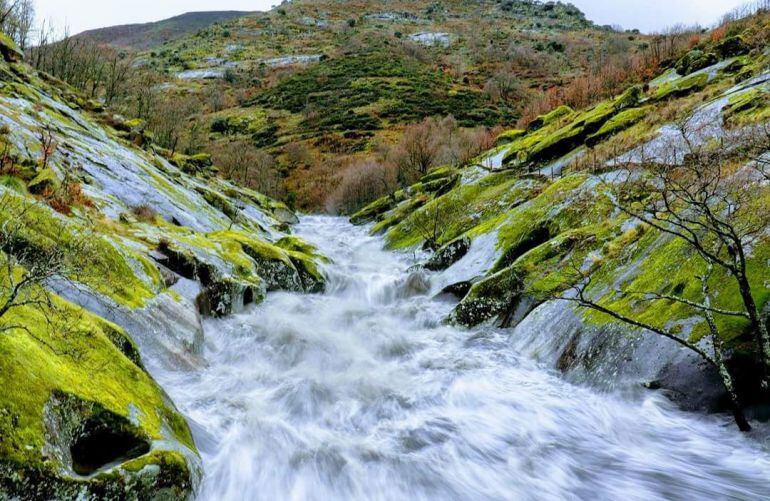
(514, 225)
(146, 244)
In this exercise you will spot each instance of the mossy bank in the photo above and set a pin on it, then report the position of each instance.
(519, 225)
(147, 242)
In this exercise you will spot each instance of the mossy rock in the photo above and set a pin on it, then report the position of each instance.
(44, 180)
(732, 47)
(449, 254)
(630, 98)
(438, 173)
(110, 271)
(695, 60)
(195, 164)
(551, 117)
(10, 51)
(618, 123)
(509, 136)
(488, 298)
(79, 414)
(682, 86)
(748, 107)
(372, 211)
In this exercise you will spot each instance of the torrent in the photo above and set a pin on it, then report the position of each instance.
(365, 392)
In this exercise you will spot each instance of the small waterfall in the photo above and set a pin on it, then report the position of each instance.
(365, 393)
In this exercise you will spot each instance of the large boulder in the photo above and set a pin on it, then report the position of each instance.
(732, 46)
(695, 60)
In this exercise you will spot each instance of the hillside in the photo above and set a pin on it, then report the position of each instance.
(147, 35)
(323, 85)
(110, 256)
(593, 215)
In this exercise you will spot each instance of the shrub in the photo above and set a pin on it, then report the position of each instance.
(249, 166)
(144, 213)
(360, 185)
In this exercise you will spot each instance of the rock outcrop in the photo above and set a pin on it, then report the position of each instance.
(525, 216)
(149, 243)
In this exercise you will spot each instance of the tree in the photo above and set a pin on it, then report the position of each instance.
(362, 183)
(17, 18)
(27, 268)
(419, 150)
(247, 165)
(710, 199)
(716, 358)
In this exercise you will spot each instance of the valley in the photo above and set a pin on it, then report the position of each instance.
(355, 250)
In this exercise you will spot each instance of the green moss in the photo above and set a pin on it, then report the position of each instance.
(566, 204)
(72, 351)
(8, 48)
(681, 86)
(372, 211)
(557, 139)
(13, 183)
(45, 179)
(400, 212)
(509, 136)
(695, 60)
(551, 117)
(619, 122)
(108, 272)
(461, 210)
(750, 107)
(732, 46)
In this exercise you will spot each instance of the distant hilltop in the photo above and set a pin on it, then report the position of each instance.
(147, 35)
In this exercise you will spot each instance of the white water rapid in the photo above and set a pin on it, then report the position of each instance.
(363, 393)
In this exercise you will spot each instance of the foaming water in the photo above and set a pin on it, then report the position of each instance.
(363, 393)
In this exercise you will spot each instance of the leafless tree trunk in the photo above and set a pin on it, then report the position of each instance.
(580, 295)
(701, 198)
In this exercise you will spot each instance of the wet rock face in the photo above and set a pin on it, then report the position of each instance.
(93, 453)
(449, 254)
(85, 438)
(614, 356)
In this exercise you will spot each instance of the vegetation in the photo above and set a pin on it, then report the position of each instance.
(355, 88)
(643, 211)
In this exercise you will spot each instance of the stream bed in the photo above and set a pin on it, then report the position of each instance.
(365, 393)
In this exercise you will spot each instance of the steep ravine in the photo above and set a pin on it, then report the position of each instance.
(364, 392)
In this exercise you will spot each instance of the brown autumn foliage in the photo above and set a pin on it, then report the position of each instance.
(362, 183)
(612, 71)
(425, 145)
(249, 166)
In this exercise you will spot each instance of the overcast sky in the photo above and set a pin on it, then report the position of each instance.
(647, 15)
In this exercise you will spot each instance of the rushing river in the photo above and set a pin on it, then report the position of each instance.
(363, 393)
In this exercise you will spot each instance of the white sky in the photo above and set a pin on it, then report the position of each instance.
(647, 15)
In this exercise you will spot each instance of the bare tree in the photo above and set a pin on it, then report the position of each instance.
(17, 18)
(244, 163)
(580, 294)
(705, 197)
(709, 204)
(419, 150)
(27, 268)
(361, 184)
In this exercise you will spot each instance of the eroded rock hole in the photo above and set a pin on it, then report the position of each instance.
(248, 296)
(85, 437)
(178, 262)
(98, 446)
